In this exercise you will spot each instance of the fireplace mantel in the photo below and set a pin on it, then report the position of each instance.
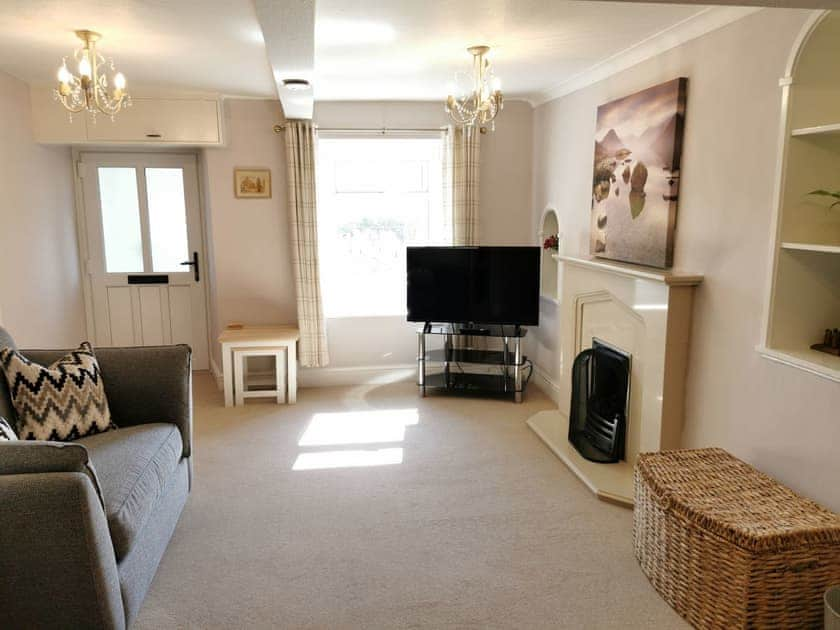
(646, 312)
(666, 276)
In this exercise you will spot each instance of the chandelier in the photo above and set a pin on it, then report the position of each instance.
(97, 87)
(483, 100)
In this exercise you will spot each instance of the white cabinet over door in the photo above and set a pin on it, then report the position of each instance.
(189, 121)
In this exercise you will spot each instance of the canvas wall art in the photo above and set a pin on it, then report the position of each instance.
(636, 176)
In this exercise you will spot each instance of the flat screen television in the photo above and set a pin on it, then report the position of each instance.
(481, 285)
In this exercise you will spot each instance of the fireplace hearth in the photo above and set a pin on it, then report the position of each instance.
(600, 402)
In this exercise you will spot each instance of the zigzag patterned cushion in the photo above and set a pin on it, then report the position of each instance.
(7, 433)
(62, 402)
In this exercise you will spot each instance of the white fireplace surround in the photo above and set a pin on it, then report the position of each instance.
(643, 311)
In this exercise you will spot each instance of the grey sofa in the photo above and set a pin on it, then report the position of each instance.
(84, 524)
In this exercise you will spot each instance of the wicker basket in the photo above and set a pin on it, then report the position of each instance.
(729, 547)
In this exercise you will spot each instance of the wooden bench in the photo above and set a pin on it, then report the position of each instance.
(729, 547)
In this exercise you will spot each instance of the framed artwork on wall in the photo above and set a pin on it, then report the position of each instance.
(636, 175)
(252, 183)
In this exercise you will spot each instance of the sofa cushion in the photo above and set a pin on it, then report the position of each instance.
(7, 433)
(133, 465)
(63, 401)
(6, 407)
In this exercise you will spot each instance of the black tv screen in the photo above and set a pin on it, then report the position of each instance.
(482, 285)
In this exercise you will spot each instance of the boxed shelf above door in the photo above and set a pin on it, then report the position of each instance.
(181, 121)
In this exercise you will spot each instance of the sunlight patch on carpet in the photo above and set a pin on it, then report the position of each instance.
(358, 427)
(322, 460)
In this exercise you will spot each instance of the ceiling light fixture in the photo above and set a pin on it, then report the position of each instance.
(296, 85)
(97, 87)
(484, 101)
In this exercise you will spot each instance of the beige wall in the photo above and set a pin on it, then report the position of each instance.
(505, 190)
(248, 239)
(40, 290)
(781, 419)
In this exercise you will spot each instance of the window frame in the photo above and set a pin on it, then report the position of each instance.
(434, 186)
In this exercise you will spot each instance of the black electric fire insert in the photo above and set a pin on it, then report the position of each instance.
(600, 401)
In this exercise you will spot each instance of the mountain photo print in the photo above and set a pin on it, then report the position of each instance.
(636, 175)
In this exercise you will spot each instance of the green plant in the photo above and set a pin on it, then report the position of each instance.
(835, 194)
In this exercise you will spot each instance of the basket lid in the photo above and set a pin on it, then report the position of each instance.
(725, 496)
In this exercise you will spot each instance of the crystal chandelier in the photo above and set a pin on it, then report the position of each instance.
(97, 87)
(482, 103)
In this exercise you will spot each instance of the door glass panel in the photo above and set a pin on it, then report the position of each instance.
(120, 220)
(167, 219)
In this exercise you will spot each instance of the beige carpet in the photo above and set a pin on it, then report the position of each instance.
(477, 526)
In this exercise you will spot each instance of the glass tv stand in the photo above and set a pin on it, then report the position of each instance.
(460, 367)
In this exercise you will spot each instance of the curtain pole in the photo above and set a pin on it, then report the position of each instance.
(379, 130)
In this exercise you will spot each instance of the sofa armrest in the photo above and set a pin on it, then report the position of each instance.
(148, 384)
(57, 563)
(27, 457)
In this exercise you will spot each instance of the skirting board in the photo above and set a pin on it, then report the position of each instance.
(356, 375)
(217, 374)
(609, 482)
(544, 382)
(338, 376)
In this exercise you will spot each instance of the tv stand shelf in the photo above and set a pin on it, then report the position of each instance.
(469, 370)
(469, 355)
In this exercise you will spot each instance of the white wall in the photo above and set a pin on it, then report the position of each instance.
(248, 239)
(781, 419)
(40, 286)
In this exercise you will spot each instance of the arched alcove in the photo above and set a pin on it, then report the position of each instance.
(804, 287)
(549, 226)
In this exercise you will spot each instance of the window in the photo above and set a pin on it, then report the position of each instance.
(122, 212)
(167, 218)
(120, 220)
(375, 197)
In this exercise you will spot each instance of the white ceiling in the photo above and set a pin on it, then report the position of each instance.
(204, 45)
(363, 50)
(380, 49)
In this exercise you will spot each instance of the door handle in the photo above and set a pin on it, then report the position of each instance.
(194, 264)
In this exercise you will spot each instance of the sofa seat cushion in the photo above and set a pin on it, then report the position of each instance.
(133, 465)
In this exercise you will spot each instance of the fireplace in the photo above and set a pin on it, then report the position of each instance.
(600, 402)
(644, 312)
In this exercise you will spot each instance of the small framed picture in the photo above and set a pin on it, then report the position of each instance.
(252, 183)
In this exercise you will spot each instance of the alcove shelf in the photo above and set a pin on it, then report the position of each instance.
(812, 247)
(804, 285)
(833, 128)
(549, 226)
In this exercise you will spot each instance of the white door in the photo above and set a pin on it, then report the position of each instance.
(145, 256)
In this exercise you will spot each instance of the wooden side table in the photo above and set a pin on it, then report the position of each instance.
(240, 386)
(274, 340)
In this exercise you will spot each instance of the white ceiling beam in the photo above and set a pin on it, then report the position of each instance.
(288, 28)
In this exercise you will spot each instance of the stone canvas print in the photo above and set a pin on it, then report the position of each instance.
(636, 177)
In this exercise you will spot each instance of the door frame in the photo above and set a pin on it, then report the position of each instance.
(82, 240)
